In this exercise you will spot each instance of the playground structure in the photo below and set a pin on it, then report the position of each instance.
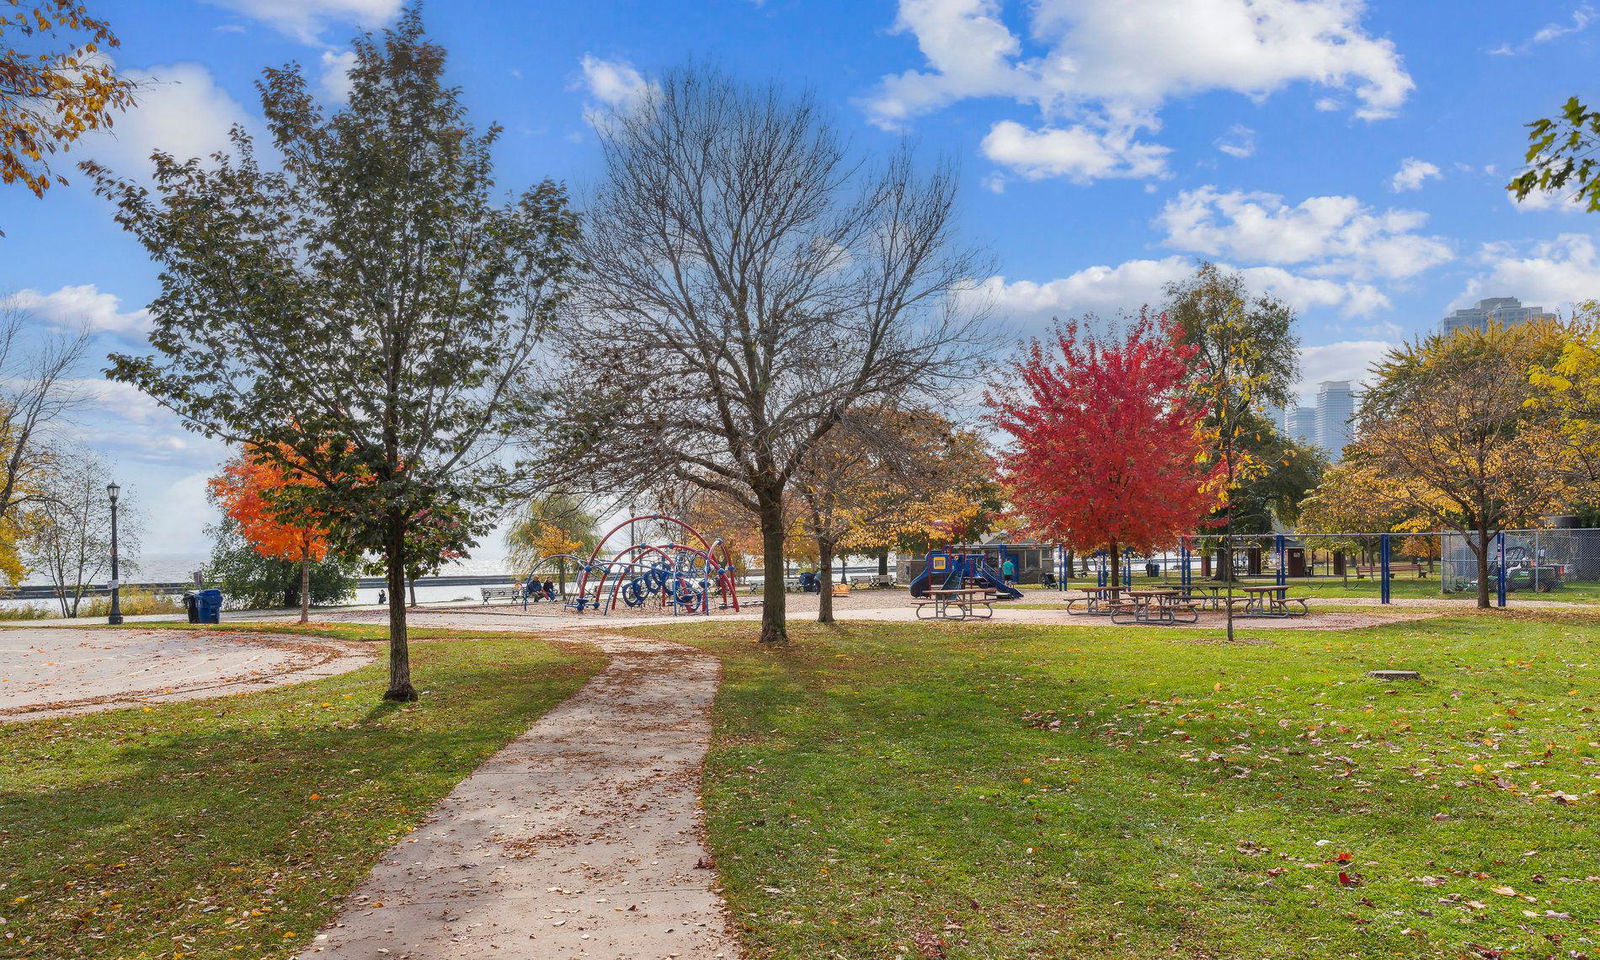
(953, 571)
(682, 573)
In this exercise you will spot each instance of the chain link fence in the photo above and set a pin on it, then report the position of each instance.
(1554, 563)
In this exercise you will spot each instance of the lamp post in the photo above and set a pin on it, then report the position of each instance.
(116, 578)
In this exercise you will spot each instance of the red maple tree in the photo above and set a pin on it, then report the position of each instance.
(1106, 451)
(245, 490)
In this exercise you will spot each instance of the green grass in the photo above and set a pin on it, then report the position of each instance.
(232, 827)
(989, 791)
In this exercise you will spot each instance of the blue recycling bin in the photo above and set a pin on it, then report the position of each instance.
(208, 605)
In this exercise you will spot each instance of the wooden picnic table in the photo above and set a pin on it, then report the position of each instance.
(1162, 607)
(1094, 600)
(1206, 594)
(1272, 601)
(964, 600)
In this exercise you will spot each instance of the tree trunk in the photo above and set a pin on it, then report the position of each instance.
(1483, 567)
(305, 590)
(825, 578)
(411, 585)
(400, 688)
(1116, 565)
(773, 627)
(883, 562)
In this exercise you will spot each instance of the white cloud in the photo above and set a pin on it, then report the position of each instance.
(1239, 141)
(1553, 273)
(1078, 153)
(1129, 285)
(1542, 201)
(181, 110)
(306, 19)
(1347, 360)
(1412, 174)
(336, 81)
(82, 307)
(1581, 19)
(1334, 235)
(1107, 69)
(614, 83)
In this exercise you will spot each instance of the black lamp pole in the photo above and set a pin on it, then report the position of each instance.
(116, 577)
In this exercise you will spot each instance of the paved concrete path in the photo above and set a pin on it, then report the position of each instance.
(581, 839)
(62, 670)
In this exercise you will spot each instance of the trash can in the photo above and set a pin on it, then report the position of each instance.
(209, 604)
(191, 606)
(1152, 569)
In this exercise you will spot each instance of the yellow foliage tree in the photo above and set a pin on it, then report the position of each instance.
(1570, 388)
(55, 85)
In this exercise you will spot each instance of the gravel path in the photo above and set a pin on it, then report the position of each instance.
(581, 839)
(51, 671)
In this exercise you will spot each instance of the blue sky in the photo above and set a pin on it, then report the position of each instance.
(1350, 158)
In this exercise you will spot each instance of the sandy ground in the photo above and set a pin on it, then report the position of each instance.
(54, 671)
(581, 839)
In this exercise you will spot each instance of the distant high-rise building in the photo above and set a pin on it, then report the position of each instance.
(1301, 425)
(1503, 310)
(1336, 407)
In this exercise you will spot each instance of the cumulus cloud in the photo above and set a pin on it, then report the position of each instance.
(1412, 174)
(1240, 141)
(1552, 273)
(1109, 290)
(306, 19)
(82, 307)
(1549, 201)
(1334, 235)
(1105, 70)
(614, 83)
(1078, 153)
(181, 110)
(336, 75)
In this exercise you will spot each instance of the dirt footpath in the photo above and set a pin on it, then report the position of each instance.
(581, 839)
(50, 671)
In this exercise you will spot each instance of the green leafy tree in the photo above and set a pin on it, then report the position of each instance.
(250, 580)
(1245, 358)
(364, 312)
(1561, 156)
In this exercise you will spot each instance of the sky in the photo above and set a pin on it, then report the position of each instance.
(1348, 157)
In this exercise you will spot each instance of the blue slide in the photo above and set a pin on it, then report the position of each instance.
(986, 576)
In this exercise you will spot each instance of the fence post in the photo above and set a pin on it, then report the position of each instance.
(1283, 560)
(1383, 565)
(1537, 562)
(1500, 573)
(1185, 577)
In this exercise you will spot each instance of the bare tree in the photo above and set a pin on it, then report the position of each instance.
(747, 283)
(69, 526)
(36, 390)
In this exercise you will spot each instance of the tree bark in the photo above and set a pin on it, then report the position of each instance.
(305, 590)
(400, 688)
(1116, 565)
(1483, 567)
(412, 586)
(883, 562)
(825, 579)
(773, 627)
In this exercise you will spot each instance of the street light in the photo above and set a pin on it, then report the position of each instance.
(116, 586)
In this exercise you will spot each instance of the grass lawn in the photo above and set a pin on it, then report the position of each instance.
(232, 827)
(993, 790)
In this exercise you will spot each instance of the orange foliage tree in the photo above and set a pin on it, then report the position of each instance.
(251, 490)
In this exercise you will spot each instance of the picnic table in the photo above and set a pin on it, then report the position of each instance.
(1163, 607)
(963, 601)
(1271, 601)
(1207, 595)
(1094, 600)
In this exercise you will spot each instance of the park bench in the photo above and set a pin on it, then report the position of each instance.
(509, 594)
(872, 581)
